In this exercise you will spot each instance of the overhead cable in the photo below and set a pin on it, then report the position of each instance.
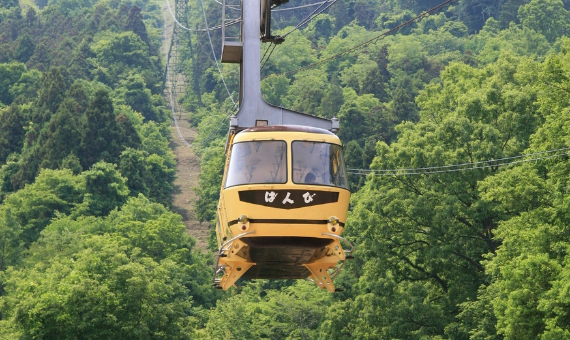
(173, 108)
(269, 56)
(492, 163)
(303, 22)
(297, 7)
(214, 54)
(213, 28)
(228, 6)
(381, 36)
(311, 16)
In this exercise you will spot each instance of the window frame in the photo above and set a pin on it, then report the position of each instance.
(285, 157)
(330, 184)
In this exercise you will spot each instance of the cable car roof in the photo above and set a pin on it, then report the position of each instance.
(288, 128)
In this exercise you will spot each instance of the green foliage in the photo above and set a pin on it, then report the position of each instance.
(479, 253)
(9, 3)
(25, 49)
(292, 313)
(11, 245)
(101, 265)
(133, 92)
(62, 136)
(105, 190)
(27, 87)
(33, 207)
(119, 52)
(547, 17)
(212, 165)
(132, 167)
(11, 132)
(306, 92)
(160, 176)
(102, 135)
(274, 88)
(106, 291)
(9, 75)
(136, 265)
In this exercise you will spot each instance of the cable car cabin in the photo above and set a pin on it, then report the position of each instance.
(283, 206)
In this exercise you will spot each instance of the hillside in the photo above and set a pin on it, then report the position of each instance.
(455, 130)
(187, 162)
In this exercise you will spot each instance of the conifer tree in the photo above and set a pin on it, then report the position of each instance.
(101, 135)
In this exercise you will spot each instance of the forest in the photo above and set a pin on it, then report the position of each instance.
(455, 129)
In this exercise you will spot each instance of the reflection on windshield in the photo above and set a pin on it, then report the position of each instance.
(318, 163)
(257, 162)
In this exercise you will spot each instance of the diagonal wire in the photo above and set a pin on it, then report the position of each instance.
(311, 16)
(297, 7)
(214, 53)
(268, 56)
(173, 108)
(381, 36)
(264, 54)
(468, 164)
(447, 169)
(213, 28)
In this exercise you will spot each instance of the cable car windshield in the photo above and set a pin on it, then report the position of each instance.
(318, 163)
(257, 162)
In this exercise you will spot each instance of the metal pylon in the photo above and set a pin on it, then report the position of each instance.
(181, 39)
(254, 111)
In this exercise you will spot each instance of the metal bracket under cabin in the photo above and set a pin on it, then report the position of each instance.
(242, 45)
(226, 246)
(347, 254)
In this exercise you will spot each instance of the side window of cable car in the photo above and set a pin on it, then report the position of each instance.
(318, 163)
(257, 162)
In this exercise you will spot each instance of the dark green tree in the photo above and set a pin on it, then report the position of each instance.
(133, 167)
(80, 67)
(9, 3)
(33, 207)
(135, 24)
(354, 127)
(62, 135)
(159, 179)
(375, 84)
(9, 74)
(101, 134)
(11, 131)
(403, 105)
(105, 190)
(135, 94)
(25, 49)
(548, 17)
(509, 10)
(52, 93)
(41, 60)
(27, 87)
(7, 172)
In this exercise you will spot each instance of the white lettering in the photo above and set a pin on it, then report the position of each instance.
(308, 197)
(288, 200)
(270, 196)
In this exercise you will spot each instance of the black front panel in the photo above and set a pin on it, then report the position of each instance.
(288, 199)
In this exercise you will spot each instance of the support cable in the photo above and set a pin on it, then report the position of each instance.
(298, 7)
(213, 28)
(173, 108)
(491, 163)
(269, 56)
(381, 36)
(214, 54)
(311, 16)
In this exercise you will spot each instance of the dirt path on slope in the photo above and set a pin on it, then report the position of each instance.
(187, 173)
(187, 163)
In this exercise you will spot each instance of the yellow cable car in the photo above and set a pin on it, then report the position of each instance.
(283, 206)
